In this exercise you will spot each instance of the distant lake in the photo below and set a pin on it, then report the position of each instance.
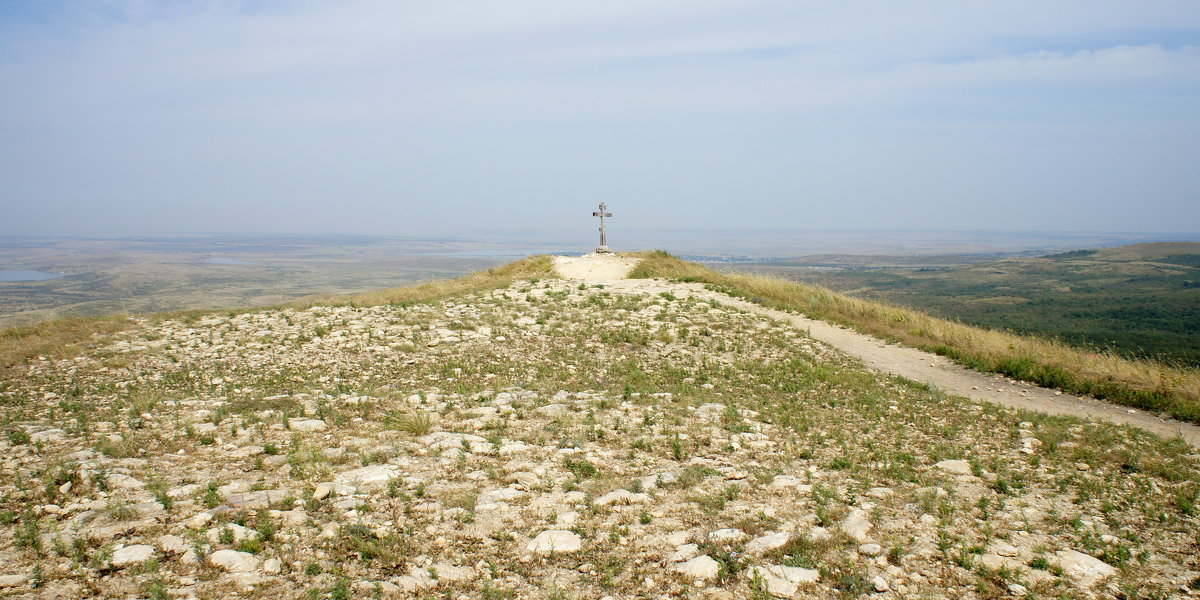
(23, 275)
(227, 261)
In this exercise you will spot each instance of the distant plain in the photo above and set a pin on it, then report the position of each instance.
(1139, 300)
(144, 274)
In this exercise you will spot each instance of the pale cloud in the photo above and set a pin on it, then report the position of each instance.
(407, 101)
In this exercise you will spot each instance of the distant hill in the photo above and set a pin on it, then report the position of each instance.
(1141, 300)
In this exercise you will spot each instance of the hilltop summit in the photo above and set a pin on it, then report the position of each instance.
(558, 438)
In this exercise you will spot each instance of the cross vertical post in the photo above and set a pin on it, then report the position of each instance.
(603, 249)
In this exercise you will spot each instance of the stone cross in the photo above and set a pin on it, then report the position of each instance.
(603, 234)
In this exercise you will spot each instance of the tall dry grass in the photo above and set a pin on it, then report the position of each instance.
(66, 336)
(1141, 383)
(497, 277)
(55, 338)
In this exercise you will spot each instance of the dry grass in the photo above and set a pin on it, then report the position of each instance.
(1142, 383)
(65, 336)
(498, 277)
(55, 338)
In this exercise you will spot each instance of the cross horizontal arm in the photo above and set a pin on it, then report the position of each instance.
(596, 214)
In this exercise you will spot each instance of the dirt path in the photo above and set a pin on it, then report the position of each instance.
(889, 358)
(594, 267)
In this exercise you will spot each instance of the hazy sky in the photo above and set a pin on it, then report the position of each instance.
(398, 116)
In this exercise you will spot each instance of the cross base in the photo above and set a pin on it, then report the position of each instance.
(603, 250)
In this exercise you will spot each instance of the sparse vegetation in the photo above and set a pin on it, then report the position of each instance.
(1139, 383)
(725, 436)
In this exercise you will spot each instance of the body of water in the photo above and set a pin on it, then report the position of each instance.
(227, 261)
(24, 275)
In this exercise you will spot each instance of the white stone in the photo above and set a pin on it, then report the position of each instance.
(322, 491)
(370, 476)
(132, 555)
(685, 552)
(785, 481)
(121, 481)
(1085, 569)
(505, 494)
(453, 573)
(511, 448)
(776, 586)
(307, 425)
(871, 549)
(48, 435)
(12, 581)
(727, 535)
(622, 497)
(199, 521)
(1004, 548)
(414, 583)
(173, 544)
(795, 574)
(781, 581)
(857, 525)
(553, 410)
(768, 542)
(880, 492)
(234, 561)
(203, 428)
(701, 567)
(880, 584)
(238, 533)
(555, 541)
(247, 581)
(958, 467)
(272, 566)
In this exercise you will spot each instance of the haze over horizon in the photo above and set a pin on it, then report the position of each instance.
(364, 116)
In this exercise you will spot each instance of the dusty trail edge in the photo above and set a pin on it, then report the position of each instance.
(917, 365)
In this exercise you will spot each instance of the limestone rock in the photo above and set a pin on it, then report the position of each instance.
(1004, 548)
(685, 552)
(880, 584)
(237, 532)
(768, 542)
(857, 525)
(506, 494)
(785, 481)
(12, 581)
(702, 567)
(727, 535)
(256, 499)
(958, 467)
(781, 581)
(173, 544)
(307, 425)
(1085, 569)
(199, 521)
(996, 562)
(622, 497)
(132, 555)
(48, 435)
(234, 561)
(370, 476)
(556, 541)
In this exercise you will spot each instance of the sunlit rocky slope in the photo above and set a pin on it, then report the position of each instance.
(558, 439)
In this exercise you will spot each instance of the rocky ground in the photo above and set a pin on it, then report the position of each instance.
(559, 439)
